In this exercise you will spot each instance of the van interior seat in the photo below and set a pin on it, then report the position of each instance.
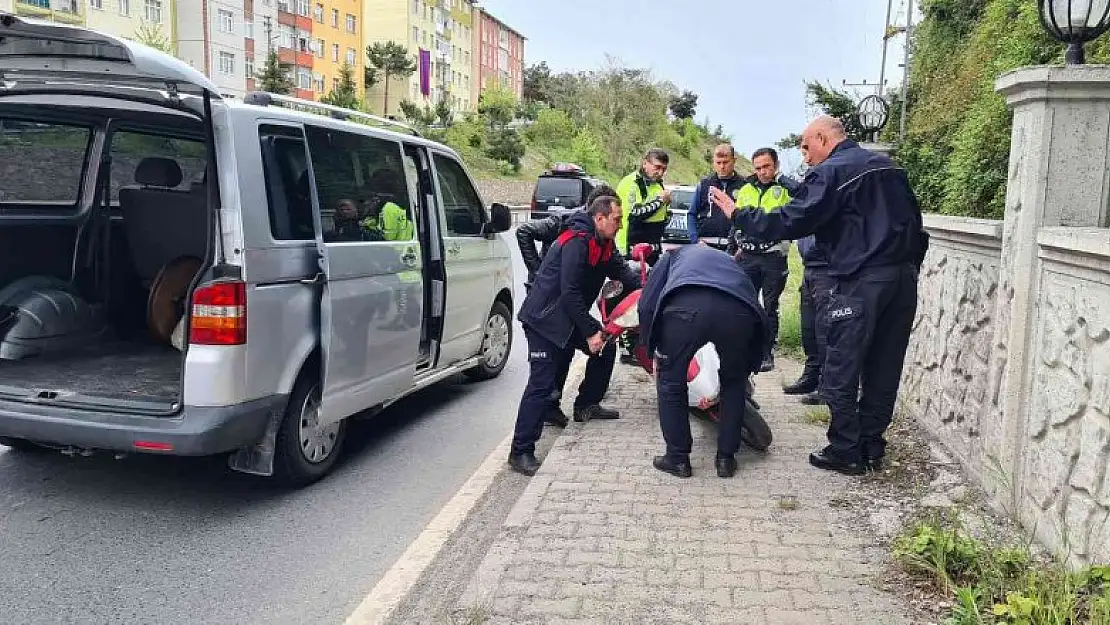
(162, 223)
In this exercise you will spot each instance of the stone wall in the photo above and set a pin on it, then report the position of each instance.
(1046, 462)
(509, 192)
(945, 379)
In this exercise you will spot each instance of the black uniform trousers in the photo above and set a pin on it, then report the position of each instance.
(768, 273)
(690, 318)
(548, 363)
(816, 285)
(870, 316)
(561, 379)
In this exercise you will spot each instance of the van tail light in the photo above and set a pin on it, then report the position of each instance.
(533, 200)
(219, 314)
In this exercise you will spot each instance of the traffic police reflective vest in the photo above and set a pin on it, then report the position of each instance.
(768, 198)
(646, 214)
(393, 223)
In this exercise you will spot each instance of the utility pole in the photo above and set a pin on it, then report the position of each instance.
(886, 40)
(905, 72)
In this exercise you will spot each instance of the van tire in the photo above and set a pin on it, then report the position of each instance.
(291, 467)
(499, 329)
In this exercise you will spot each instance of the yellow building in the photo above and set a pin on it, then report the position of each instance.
(439, 35)
(148, 21)
(337, 39)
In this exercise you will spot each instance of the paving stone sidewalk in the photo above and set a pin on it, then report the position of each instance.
(600, 536)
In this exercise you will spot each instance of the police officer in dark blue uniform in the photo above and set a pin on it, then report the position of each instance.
(696, 295)
(545, 232)
(705, 222)
(865, 218)
(814, 292)
(557, 321)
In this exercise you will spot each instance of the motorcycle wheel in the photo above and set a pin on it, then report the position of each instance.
(755, 433)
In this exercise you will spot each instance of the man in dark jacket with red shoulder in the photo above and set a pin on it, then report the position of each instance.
(557, 322)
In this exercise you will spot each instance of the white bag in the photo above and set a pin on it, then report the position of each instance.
(177, 339)
(704, 388)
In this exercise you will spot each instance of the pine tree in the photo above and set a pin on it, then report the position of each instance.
(274, 76)
(345, 94)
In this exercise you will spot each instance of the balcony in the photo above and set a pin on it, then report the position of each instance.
(63, 11)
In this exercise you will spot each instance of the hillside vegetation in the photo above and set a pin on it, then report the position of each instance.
(958, 128)
(602, 120)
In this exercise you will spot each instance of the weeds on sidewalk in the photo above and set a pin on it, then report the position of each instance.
(817, 415)
(1001, 585)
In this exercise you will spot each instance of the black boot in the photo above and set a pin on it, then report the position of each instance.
(805, 385)
(677, 469)
(556, 418)
(726, 465)
(589, 413)
(824, 459)
(525, 464)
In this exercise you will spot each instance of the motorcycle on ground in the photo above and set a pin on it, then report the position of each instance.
(621, 321)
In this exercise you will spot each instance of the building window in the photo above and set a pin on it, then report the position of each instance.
(227, 63)
(320, 47)
(96, 4)
(154, 11)
(286, 36)
(334, 83)
(304, 8)
(318, 82)
(335, 52)
(125, 7)
(318, 13)
(226, 21)
(350, 56)
(248, 66)
(304, 78)
(335, 18)
(248, 28)
(415, 35)
(416, 7)
(352, 25)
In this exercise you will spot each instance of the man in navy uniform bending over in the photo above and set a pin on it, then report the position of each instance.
(695, 295)
(865, 217)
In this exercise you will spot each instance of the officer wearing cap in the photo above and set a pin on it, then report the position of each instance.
(865, 217)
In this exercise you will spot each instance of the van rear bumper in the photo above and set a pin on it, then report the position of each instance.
(195, 431)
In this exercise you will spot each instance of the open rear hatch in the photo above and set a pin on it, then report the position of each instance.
(86, 364)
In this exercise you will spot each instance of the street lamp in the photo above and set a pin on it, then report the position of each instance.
(1074, 22)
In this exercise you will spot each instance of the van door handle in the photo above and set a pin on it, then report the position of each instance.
(454, 249)
(319, 278)
(409, 257)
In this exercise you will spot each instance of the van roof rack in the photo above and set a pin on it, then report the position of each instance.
(265, 98)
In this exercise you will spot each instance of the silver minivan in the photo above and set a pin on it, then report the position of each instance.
(188, 274)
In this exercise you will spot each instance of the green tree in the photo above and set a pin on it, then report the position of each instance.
(274, 76)
(537, 83)
(498, 104)
(391, 60)
(443, 112)
(684, 106)
(152, 36)
(345, 94)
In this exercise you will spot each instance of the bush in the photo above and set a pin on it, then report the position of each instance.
(506, 145)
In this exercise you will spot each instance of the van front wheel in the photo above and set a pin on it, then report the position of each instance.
(497, 340)
(305, 451)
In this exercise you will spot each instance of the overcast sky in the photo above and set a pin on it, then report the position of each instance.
(747, 60)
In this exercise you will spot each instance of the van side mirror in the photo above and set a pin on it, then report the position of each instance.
(501, 219)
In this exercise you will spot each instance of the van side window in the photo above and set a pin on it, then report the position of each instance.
(462, 206)
(285, 171)
(363, 192)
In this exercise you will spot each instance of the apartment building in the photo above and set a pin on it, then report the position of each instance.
(439, 35)
(152, 22)
(498, 55)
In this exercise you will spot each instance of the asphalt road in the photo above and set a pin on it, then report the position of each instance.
(162, 540)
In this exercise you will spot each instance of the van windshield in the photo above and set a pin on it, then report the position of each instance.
(41, 163)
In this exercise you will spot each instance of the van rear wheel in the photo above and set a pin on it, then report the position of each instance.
(305, 451)
(497, 340)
